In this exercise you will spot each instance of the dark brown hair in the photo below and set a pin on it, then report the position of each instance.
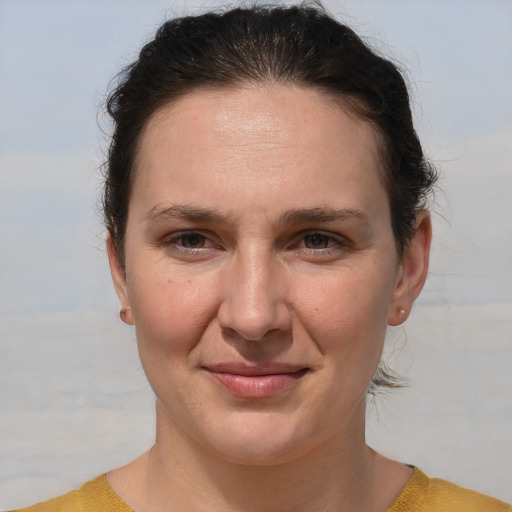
(300, 45)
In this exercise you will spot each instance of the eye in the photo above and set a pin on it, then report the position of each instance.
(320, 246)
(318, 241)
(191, 241)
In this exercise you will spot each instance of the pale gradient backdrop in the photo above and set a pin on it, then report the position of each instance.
(73, 399)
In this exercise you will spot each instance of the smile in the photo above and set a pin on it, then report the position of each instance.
(246, 381)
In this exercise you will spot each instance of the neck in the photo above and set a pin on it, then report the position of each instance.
(340, 474)
(310, 484)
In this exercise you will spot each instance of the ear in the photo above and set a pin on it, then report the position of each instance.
(118, 273)
(412, 271)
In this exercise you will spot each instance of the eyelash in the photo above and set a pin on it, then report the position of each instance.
(336, 244)
(323, 238)
(173, 242)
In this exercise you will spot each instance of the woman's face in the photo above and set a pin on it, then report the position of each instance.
(261, 270)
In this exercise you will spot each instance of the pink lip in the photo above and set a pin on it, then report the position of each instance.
(256, 381)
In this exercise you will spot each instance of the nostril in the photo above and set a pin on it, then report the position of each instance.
(254, 349)
(241, 321)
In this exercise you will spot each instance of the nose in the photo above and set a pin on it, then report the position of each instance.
(255, 302)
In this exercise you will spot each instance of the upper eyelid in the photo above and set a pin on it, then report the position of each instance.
(186, 232)
(328, 234)
(174, 238)
(336, 242)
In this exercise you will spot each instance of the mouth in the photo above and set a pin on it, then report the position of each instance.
(256, 381)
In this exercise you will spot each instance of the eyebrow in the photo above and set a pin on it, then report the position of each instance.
(320, 214)
(297, 216)
(193, 213)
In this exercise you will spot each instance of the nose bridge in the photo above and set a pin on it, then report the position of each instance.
(255, 269)
(255, 301)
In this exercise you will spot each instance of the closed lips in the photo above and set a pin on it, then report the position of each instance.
(256, 370)
(253, 382)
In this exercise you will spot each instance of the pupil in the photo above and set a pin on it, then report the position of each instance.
(316, 241)
(192, 241)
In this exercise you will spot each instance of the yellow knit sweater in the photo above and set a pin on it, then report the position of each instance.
(421, 494)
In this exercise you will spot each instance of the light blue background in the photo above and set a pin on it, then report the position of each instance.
(57, 58)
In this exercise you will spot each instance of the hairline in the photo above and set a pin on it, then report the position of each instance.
(349, 104)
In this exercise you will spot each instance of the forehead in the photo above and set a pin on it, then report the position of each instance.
(247, 113)
(264, 139)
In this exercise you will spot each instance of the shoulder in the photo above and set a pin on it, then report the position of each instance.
(69, 502)
(447, 496)
(93, 496)
(424, 494)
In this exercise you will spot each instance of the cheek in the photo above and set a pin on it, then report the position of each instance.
(171, 311)
(349, 299)
(171, 318)
(347, 317)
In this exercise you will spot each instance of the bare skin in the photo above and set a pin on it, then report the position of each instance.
(262, 272)
(278, 488)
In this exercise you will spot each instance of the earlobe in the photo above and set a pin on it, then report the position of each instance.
(118, 273)
(413, 270)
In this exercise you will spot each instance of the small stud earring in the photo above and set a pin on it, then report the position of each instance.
(123, 311)
(401, 312)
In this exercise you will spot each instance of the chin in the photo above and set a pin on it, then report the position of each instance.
(256, 452)
(259, 439)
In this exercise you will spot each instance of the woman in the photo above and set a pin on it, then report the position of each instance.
(266, 207)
